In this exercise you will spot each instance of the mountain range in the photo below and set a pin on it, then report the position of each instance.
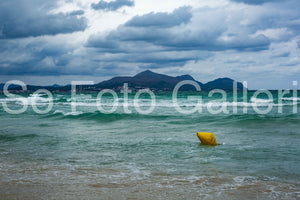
(145, 79)
(155, 81)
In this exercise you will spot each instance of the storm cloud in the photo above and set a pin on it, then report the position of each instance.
(240, 39)
(183, 29)
(21, 19)
(112, 5)
(161, 19)
(256, 2)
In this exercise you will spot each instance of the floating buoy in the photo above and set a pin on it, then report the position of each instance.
(207, 138)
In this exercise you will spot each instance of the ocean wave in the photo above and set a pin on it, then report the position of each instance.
(248, 104)
(97, 115)
(291, 99)
(31, 100)
(258, 119)
(7, 138)
(258, 100)
(39, 100)
(169, 104)
(83, 104)
(67, 113)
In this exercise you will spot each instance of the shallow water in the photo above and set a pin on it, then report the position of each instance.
(91, 155)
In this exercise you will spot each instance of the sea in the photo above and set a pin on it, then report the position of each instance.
(114, 146)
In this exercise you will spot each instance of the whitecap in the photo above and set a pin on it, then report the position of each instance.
(68, 113)
(291, 99)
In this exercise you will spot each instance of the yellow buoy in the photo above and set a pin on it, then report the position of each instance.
(207, 138)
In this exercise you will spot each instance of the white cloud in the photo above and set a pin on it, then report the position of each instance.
(275, 34)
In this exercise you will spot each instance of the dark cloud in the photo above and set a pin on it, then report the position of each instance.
(77, 12)
(255, 2)
(40, 56)
(113, 5)
(281, 54)
(21, 19)
(298, 42)
(104, 44)
(244, 43)
(159, 29)
(161, 19)
(159, 57)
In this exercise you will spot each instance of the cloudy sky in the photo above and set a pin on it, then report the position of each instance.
(56, 41)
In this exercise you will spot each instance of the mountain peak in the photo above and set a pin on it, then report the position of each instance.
(147, 73)
(224, 79)
(223, 83)
(185, 77)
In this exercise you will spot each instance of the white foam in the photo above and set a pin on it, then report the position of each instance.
(170, 104)
(86, 101)
(291, 99)
(68, 113)
(258, 100)
(31, 100)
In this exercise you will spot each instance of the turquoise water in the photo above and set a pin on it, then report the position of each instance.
(87, 154)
